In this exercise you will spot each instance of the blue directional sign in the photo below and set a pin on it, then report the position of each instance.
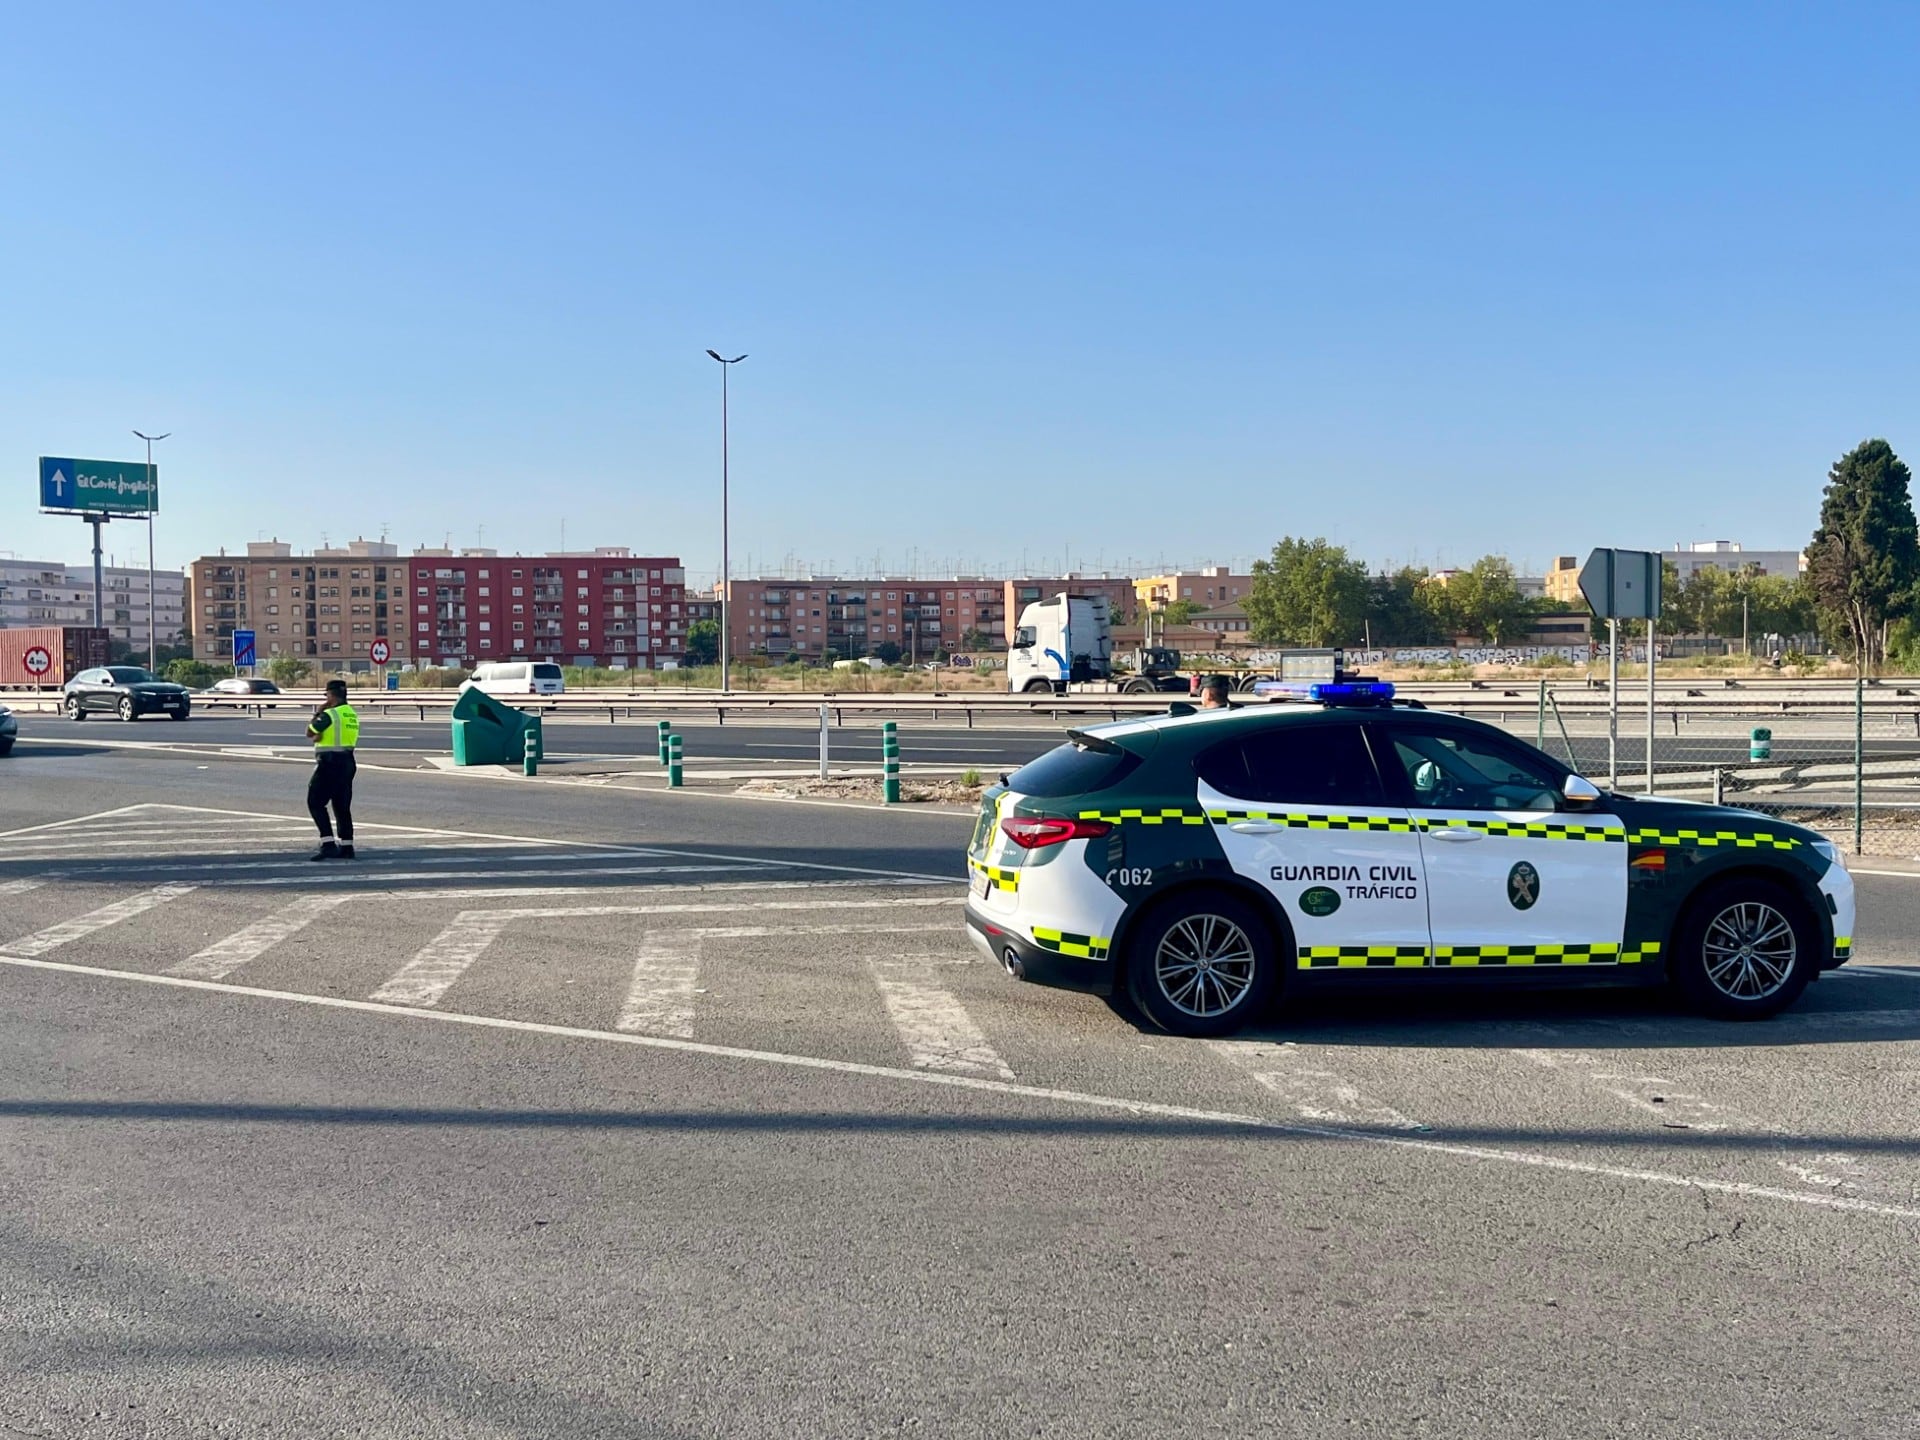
(243, 649)
(111, 487)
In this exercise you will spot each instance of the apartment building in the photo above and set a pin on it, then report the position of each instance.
(441, 607)
(1562, 581)
(38, 592)
(824, 617)
(1205, 588)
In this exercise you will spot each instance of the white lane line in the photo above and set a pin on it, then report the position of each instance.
(1526, 1159)
(766, 932)
(40, 942)
(62, 824)
(444, 959)
(934, 1026)
(1676, 1109)
(301, 864)
(339, 873)
(1883, 972)
(19, 887)
(494, 892)
(593, 911)
(1313, 1092)
(660, 996)
(223, 957)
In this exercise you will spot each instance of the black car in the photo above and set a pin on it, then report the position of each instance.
(126, 691)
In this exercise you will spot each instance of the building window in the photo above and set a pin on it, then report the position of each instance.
(581, 574)
(488, 590)
(486, 625)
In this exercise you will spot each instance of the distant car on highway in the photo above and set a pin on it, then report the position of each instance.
(518, 677)
(243, 685)
(126, 691)
(9, 730)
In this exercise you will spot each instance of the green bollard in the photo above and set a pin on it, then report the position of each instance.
(666, 728)
(673, 762)
(530, 760)
(1760, 743)
(889, 763)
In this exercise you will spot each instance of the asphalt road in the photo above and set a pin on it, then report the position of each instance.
(578, 1112)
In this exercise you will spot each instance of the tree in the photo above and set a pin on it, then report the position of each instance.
(1865, 557)
(887, 653)
(1486, 600)
(1395, 614)
(288, 669)
(1179, 612)
(976, 639)
(703, 642)
(1309, 593)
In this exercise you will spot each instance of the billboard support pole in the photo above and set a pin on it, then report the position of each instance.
(96, 521)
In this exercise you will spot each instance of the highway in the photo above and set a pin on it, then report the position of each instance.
(591, 1113)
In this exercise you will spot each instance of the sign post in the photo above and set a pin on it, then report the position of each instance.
(1624, 585)
(243, 651)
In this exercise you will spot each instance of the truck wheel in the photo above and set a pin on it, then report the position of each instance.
(1038, 687)
(1246, 683)
(1202, 966)
(1135, 687)
(1744, 950)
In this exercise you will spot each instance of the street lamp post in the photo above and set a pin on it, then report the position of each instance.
(153, 496)
(726, 600)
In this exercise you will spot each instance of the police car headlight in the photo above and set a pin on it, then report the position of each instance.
(1830, 852)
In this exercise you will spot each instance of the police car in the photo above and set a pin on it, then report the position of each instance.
(1208, 862)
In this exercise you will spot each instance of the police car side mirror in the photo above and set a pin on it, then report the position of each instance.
(1579, 792)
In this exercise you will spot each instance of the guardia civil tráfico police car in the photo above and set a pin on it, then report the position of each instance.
(1208, 862)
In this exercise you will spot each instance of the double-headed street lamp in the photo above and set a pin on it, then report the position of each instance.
(726, 600)
(153, 498)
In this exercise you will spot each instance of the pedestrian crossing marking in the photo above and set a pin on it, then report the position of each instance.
(223, 957)
(65, 933)
(660, 996)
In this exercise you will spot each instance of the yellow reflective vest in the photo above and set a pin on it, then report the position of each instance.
(343, 733)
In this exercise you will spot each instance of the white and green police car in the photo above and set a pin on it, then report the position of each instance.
(1207, 862)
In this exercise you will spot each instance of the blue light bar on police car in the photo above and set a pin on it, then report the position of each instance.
(1323, 692)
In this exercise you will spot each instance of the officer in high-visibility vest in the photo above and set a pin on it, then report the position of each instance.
(334, 730)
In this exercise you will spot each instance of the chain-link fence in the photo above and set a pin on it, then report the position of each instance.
(1842, 759)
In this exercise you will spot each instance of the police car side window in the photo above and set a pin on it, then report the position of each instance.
(1322, 765)
(1463, 772)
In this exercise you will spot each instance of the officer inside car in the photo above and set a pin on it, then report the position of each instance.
(334, 730)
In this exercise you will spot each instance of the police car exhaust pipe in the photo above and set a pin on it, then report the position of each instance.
(1013, 964)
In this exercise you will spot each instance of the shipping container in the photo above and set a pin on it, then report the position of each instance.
(59, 653)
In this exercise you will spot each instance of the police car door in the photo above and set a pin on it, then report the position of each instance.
(1300, 807)
(1513, 879)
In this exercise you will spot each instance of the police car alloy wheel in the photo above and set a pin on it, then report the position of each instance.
(1202, 965)
(1743, 950)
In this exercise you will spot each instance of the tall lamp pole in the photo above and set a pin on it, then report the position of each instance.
(726, 600)
(153, 499)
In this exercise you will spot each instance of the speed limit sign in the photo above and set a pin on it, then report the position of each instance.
(38, 660)
(379, 652)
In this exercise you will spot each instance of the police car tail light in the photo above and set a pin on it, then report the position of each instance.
(1030, 832)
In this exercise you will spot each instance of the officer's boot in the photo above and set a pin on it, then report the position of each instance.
(328, 850)
(346, 850)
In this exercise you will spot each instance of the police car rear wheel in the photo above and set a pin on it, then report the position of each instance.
(1202, 966)
(1745, 950)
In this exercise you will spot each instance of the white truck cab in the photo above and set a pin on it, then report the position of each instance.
(1060, 641)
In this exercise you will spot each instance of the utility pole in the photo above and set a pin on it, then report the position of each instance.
(726, 620)
(153, 503)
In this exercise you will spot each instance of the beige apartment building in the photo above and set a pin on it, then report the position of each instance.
(1205, 588)
(327, 607)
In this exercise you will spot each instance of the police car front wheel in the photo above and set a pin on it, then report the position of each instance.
(1202, 966)
(1745, 950)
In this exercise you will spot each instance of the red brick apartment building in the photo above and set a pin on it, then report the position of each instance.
(438, 607)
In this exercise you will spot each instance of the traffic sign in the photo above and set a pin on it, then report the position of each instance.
(379, 652)
(38, 660)
(1622, 584)
(243, 650)
(94, 487)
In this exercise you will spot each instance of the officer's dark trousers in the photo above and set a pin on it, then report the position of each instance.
(332, 784)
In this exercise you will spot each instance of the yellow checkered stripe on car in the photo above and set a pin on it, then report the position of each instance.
(1362, 957)
(1000, 877)
(1753, 840)
(1167, 815)
(1065, 942)
(1530, 829)
(1314, 822)
(1599, 953)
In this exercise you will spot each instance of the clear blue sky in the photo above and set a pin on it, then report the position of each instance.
(1018, 282)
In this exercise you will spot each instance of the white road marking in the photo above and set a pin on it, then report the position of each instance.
(223, 957)
(1313, 1092)
(68, 931)
(766, 932)
(19, 887)
(348, 873)
(660, 996)
(62, 824)
(490, 892)
(935, 1027)
(444, 959)
(1657, 1096)
(1553, 1164)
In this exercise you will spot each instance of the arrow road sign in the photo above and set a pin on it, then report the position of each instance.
(243, 649)
(379, 652)
(94, 487)
(38, 660)
(1622, 584)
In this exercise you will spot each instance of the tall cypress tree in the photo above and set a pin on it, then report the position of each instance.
(1864, 561)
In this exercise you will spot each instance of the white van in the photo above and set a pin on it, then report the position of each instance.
(518, 677)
